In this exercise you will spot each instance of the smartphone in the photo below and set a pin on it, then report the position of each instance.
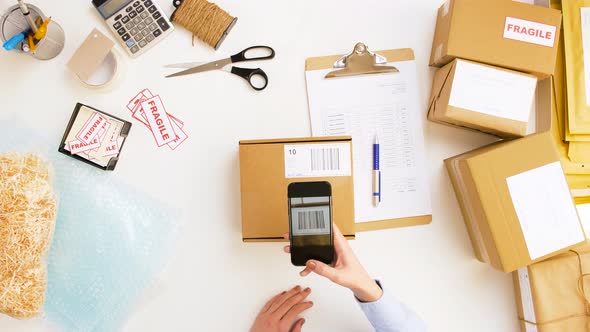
(310, 222)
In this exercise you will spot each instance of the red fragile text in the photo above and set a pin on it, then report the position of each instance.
(529, 31)
(159, 122)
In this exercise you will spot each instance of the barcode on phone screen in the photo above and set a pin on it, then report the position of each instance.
(307, 220)
(327, 159)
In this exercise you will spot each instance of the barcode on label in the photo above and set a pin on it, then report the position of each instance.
(327, 159)
(308, 220)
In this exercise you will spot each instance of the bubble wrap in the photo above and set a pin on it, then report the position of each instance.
(109, 244)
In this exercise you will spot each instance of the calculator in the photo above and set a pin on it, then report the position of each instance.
(137, 24)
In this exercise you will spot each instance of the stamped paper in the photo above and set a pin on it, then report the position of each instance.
(91, 128)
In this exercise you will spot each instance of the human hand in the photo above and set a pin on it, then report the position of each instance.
(346, 271)
(281, 312)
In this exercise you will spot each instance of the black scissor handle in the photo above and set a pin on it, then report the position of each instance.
(242, 56)
(248, 73)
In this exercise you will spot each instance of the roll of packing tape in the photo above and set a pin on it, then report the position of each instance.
(106, 74)
(96, 63)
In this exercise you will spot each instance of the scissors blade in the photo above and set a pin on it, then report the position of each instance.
(206, 67)
(185, 65)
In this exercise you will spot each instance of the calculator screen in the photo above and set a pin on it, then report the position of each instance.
(112, 6)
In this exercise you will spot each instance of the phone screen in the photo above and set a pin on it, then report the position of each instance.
(310, 222)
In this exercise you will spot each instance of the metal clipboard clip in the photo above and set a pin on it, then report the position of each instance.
(361, 62)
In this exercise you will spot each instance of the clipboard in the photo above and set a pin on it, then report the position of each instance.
(364, 62)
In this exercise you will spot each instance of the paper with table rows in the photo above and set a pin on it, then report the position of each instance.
(545, 209)
(494, 92)
(386, 105)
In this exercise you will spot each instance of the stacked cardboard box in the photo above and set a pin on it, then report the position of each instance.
(516, 195)
(491, 54)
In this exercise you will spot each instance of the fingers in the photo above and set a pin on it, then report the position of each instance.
(341, 246)
(298, 325)
(297, 310)
(270, 302)
(292, 302)
(284, 297)
(307, 270)
(322, 269)
(287, 249)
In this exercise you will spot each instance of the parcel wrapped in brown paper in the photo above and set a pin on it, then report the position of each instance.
(552, 295)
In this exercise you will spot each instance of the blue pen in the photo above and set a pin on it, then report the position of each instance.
(376, 173)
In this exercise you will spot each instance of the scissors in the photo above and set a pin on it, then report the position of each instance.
(245, 73)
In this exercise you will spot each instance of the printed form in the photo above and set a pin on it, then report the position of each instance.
(385, 105)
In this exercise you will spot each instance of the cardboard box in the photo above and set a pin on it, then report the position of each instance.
(268, 166)
(515, 202)
(501, 33)
(485, 98)
(547, 295)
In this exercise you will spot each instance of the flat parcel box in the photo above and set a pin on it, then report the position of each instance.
(501, 33)
(268, 166)
(481, 97)
(515, 202)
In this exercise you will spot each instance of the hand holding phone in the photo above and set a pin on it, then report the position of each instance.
(346, 271)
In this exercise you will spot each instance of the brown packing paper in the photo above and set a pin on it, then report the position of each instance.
(326, 62)
(475, 30)
(441, 112)
(263, 189)
(552, 295)
(479, 178)
(578, 110)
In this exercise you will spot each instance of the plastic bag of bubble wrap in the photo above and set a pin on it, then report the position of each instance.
(110, 243)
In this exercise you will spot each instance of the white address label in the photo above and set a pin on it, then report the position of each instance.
(317, 160)
(530, 32)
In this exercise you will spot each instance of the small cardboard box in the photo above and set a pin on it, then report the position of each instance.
(268, 166)
(501, 33)
(481, 97)
(548, 294)
(515, 202)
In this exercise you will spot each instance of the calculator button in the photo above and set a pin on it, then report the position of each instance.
(157, 33)
(132, 14)
(125, 19)
(125, 37)
(148, 3)
(117, 25)
(133, 31)
(153, 27)
(152, 9)
(129, 9)
(121, 31)
(118, 17)
(134, 49)
(129, 25)
(157, 15)
(149, 38)
(139, 9)
(130, 43)
(142, 43)
(136, 3)
(136, 20)
(163, 24)
(141, 26)
(144, 15)
(148, 20)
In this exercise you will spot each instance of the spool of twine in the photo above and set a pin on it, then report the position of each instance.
(205, 20)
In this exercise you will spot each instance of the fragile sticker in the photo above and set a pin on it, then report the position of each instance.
(529, 31)
(91, 128)
(158, 120)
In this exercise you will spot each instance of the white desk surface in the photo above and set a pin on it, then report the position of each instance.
(214, 281)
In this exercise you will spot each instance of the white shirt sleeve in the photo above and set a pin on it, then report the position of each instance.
(387, 314)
